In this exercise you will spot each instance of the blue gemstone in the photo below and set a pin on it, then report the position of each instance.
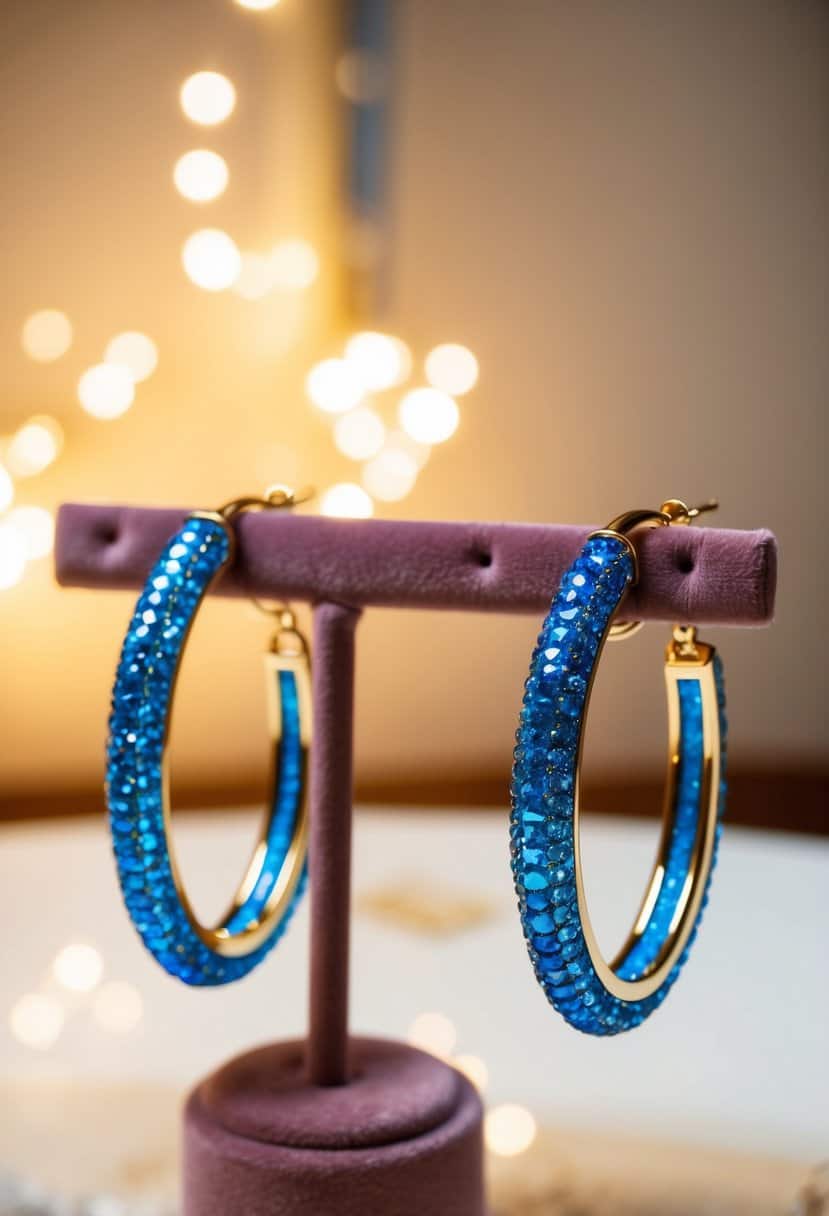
(138, 726)
(542, 798)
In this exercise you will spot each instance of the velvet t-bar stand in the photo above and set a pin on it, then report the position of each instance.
(340, 1126)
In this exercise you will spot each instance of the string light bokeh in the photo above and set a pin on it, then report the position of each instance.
(380, 420)
(356, 388)
(73, 986)
(509, 1129)
(201, 175)
(211, 259)
(208, 98)
(46, 335)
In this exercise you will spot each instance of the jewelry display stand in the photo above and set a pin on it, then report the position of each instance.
(340, 1126)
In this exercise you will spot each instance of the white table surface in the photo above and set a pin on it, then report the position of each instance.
(737, 1058)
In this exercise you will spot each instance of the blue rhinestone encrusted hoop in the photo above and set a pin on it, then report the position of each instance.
(593, 995)
(137, 787)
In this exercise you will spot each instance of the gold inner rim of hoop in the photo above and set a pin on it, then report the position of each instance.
(681, 663)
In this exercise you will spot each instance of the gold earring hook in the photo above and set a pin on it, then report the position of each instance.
(288, 640)
(679, 513)
(672, 512)
(276, 496)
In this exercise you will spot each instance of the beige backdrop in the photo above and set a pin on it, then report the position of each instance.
(620, 208)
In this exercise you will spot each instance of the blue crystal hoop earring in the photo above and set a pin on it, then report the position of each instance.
(595, 996)
(137, 786)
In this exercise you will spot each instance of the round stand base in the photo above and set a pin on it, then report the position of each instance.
(403, 1138)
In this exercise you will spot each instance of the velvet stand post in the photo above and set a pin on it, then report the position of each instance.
(338, 1125)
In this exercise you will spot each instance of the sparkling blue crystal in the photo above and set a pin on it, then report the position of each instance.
(542, 793)
(137, 729)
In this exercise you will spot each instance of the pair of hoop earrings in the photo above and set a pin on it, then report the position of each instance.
(594, 996)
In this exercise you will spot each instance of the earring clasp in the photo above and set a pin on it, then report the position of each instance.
(673, 512)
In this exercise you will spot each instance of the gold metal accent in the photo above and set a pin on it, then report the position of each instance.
(276, 495)
(685, 658)
(288, 651)
(672, 512)
(681, 514)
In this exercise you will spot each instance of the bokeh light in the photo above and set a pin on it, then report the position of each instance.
(390, 475)
(207, 98)
(294, 265)
(361, 77)
(37, 527)
(419, 452)
(474, 1069)
(117, 1007)
(46, 335)
(106, 390)
(211, 259)
(380, 360)
(34, 446)
(135, 351)
(258, 5)
(334, 386)
(36, 1021)
(78, 967)
(429, 415)
(6, 489)
(359, 434)
(12, 555)
(452, 368)
(509, 1130)
(433, 1032)
(255, 279)
(201, 175)
(347, 501)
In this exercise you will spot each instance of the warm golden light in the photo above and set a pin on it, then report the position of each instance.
(36, 526)
(334, 386)
(429, 415)
(201, 175)
(36, 1021)
(6, 489)
(359, 434)
(294, 265)
(390, 475)
(474, 1069)
(12, 555)
(258, 5)
(364, 244)
(419, 452)
(255, 277)
(452, 368)
(34, 446)
(135, 351)
(509, 1130)
(207, 98)
(106, 390)
(211, 259)
(347, 501)
(118, 1007)
(380, 360)
(46, 335)
(433, 1032)
(78, 967)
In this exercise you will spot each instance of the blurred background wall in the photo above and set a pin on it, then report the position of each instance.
(620, 209)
